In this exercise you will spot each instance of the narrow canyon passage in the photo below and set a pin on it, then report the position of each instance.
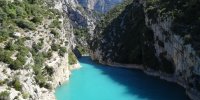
(100, 82)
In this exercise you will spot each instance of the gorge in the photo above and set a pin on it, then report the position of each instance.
(40, 41)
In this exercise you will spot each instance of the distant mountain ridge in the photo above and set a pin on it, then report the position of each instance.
(101, 6)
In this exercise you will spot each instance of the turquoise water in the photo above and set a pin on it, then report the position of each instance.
(100, 82)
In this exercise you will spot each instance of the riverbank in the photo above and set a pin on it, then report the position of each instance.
(192, 94)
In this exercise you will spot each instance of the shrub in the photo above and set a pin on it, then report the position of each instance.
(11, 46)
(39, 62)
(62, 51)
(4, 34)
(24, 51)
(20, 61)
(20, 12)
(5, 56)
(37, 69)
(3, 15)
(49, 54)
(55, 47)
(11, 12)
(25, 24)
(72, 58)
(55, 24)
(15, 65)
(37, 20)
(4, 95)
(21, 58)
(37, 47)
(41, 80)
(17, 85)
(82, 50)
(55, 33)
(81, 32)
(48, 86)
(20, 41)
(3, 3)
(49, 70)
(39, 59)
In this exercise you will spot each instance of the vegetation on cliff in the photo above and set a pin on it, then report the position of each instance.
(25, 28)
(143, 32)
(185, 15)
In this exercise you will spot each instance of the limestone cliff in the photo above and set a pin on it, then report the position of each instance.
(161, 35)
(34, 56)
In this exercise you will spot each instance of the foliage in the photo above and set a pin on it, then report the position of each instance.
(21, 56)
(62, 51)
(82, 50)
(37, 20)
(41, 80)
(48, 86)
(126, 43)
(25, 14)
(17, 85)
(55, 24)
(5, 94)
(11, 46)
(184, 14)
(81, 32)
(40, 77)
(25, 24)
(15, 65)
(49, 70)
(113, 13)
(72, 58)
(55, 47)
(4, 34)
(47, 54)
(55, 33)
(5, 56)
(37, 46)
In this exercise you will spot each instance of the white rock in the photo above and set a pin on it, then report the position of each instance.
(17, 34)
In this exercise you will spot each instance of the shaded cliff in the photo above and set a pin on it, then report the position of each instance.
(161, 35)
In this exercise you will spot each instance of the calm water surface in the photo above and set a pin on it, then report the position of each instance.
(100, 82)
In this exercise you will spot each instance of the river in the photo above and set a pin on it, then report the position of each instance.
(101, 82)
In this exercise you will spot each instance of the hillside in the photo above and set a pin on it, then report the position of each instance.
(161, 35)
(34, 49)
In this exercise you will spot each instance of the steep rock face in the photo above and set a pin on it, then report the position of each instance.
(45, 54)
(80, 19)
(84, 15)
(156, 36)
(101, 6)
